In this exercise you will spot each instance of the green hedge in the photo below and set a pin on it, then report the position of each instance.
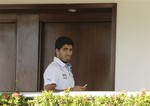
(122, 99)
(49, 99)
(12, 99)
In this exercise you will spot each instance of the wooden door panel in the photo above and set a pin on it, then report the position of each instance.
(7, 56)
(27, 52)
(94, 56)
(91, 57)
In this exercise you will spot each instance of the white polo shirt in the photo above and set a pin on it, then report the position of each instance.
(60, 74)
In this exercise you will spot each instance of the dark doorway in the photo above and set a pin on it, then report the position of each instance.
(92, 31)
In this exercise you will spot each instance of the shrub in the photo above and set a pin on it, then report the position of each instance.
(12, 99)
(121, 99)
(50, 99)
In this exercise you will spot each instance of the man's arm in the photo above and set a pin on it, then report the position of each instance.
(51, 87)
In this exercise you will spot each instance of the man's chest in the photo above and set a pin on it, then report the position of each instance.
(65, 75)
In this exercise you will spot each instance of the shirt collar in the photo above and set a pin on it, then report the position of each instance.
(62, 64)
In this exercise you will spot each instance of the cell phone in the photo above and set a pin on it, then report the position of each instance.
(85, 85)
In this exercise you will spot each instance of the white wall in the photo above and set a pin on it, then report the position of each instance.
(149, 43)
(132, 40)
(132, 54)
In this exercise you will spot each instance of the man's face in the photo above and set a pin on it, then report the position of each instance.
(65, 53)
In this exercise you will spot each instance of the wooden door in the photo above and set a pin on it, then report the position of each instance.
(19, 52)
(27, 52)
(91, 55)
(7, 52)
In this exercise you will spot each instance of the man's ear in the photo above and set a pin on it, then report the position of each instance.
(57, 52)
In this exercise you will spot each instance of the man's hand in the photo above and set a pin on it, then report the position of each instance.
(78, 88)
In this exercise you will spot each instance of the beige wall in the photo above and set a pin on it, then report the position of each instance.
(132, 55)
(52, 1)
(133, 40)
(149, 42)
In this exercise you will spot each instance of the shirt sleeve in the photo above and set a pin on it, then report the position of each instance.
(51, 75)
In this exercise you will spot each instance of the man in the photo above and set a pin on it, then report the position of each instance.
(58, 75)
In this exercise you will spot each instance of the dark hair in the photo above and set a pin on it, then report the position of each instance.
(61, 41)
